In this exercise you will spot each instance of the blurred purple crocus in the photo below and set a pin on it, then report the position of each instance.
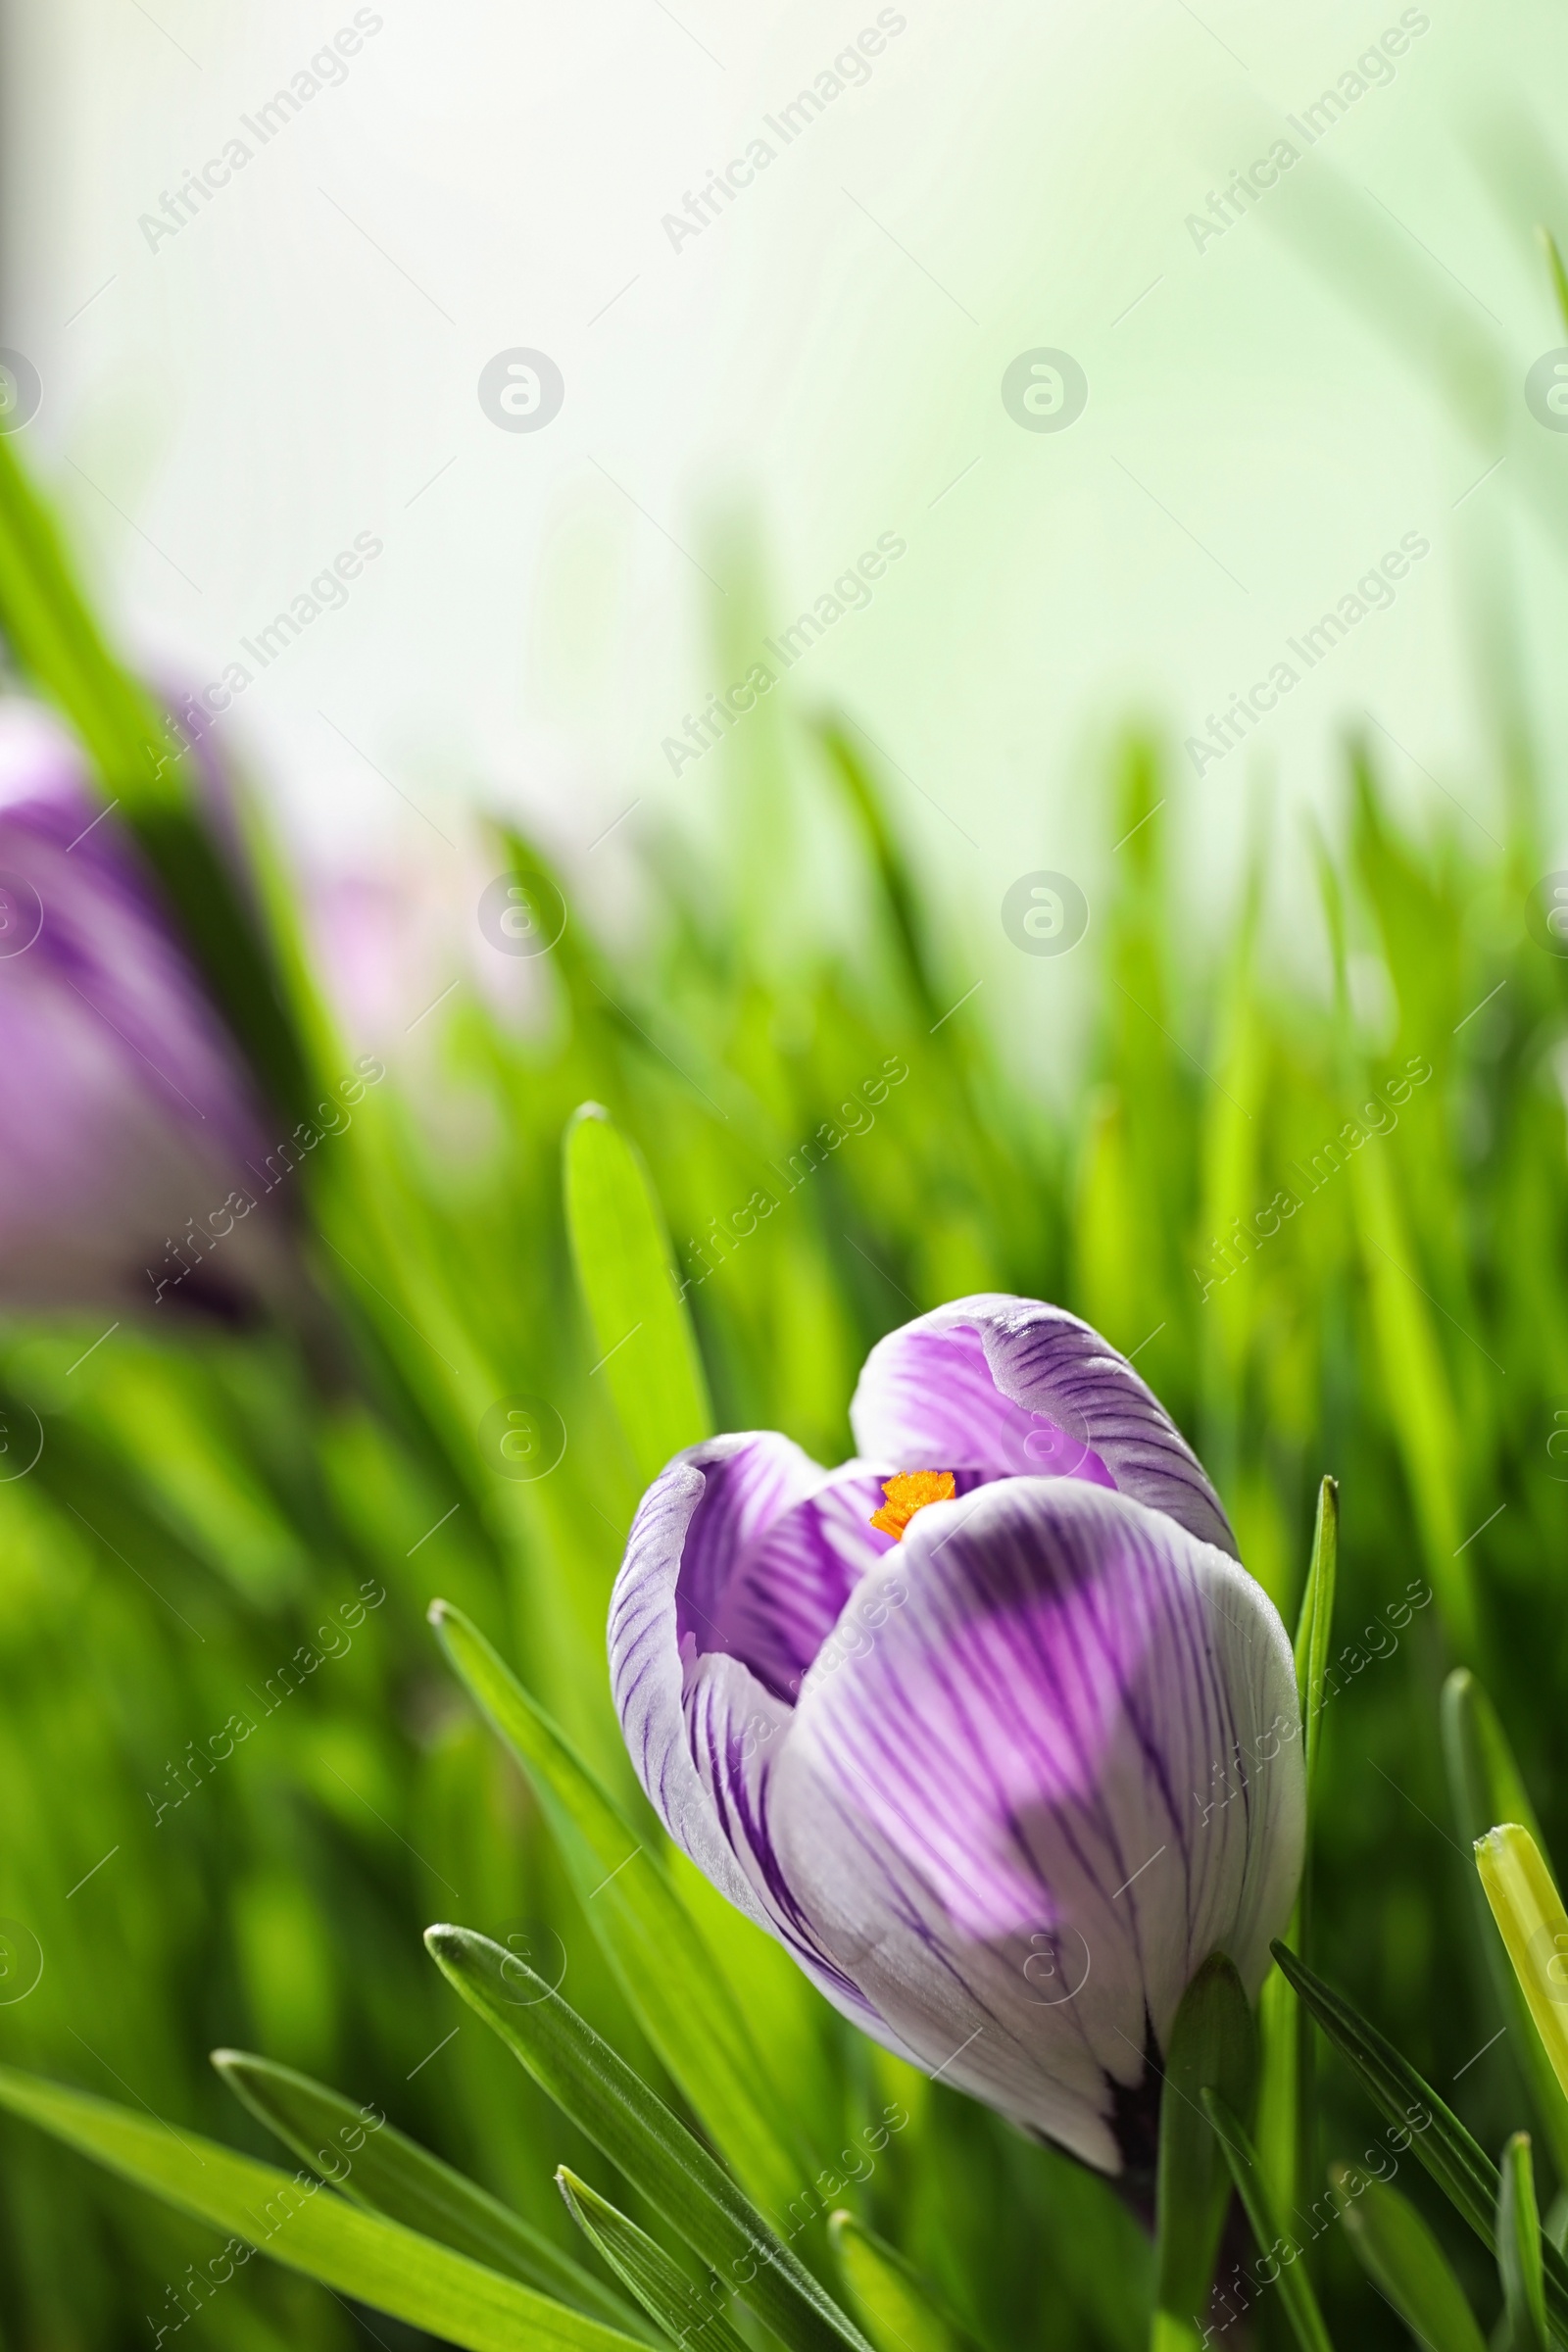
(988, 1727)
(129, 1135)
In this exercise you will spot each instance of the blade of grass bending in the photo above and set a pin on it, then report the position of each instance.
(650, 1938)
(1456, 2161)
(631, 2126)
(1213, 2041)
(1405, 2263)
(902, 2310)
(295, 2222)
(1287, 2128)
(1485, 1786)
(642, 1333)
(672, 2300)
(1295, 2288)
(392, 2175)
(1519, 2249)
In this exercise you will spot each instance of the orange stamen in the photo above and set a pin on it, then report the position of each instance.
(909, 1492)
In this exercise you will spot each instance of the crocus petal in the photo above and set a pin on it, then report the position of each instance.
(695, 1527)
(704, 1671)
(1019, 1388)
(126, 1118)
(1010, 1797)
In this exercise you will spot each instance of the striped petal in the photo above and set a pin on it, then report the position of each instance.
(738, 1579)
(1018, 1388)
(1062, 1771)
(688, 1591)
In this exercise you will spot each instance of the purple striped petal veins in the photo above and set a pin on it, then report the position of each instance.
(1000, 1786)
(126, 1119)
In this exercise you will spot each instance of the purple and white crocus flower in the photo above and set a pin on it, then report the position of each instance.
(989, 1727)
(127, 1118)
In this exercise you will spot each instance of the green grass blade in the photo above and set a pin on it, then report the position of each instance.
(678, 2308)
(902, 2311)
(1534, 1926)
(297, 2223)
(1314, 1631)
(1483, 1762)
(1485, 1786)
(56, 641)
(1295, 2288)
(392, 2175)
(631, 2126)
(665, 1967)
(1405, 2263)
(642, 1332)
(1314, 1635)
(1519, 2249)
(1287, 2125)
(1417, 1387)
(894, 879)
(1560, 277)
(1213, 2044)
(1456, 2161)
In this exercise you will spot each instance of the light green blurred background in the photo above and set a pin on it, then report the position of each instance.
(300, 362)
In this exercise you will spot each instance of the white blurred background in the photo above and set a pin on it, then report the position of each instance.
(227, 405)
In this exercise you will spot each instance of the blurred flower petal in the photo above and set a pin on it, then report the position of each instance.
(126, 1119)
